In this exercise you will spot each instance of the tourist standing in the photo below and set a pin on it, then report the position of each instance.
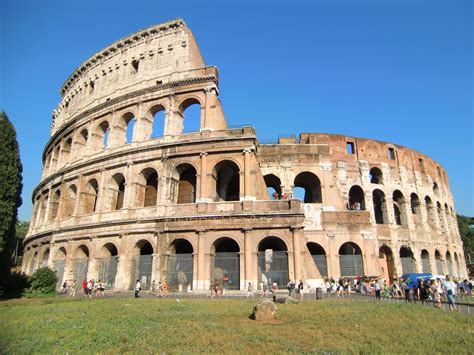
(72, 289)
(450, 289)
(301, 289)
(377, 289)
(138, 288)
(249, 290)
(152, 287)
(84, 287)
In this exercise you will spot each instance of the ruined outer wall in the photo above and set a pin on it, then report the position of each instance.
(93, 190)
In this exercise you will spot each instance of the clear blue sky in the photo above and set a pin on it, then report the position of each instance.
(398, 71)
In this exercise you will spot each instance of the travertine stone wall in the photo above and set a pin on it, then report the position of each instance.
(215, 203)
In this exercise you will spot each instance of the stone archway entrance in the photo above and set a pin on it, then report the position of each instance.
(142, 265)
(273, 261)
(108, 264)
(387, 263)
(180, 264)
(226, 263)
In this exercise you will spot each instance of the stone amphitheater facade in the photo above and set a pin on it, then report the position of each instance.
(119, 202)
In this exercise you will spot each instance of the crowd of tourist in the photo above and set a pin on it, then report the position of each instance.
(433, 290)
(89, 288)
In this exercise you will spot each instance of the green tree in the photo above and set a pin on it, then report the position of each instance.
(10, 192)
(467, 235)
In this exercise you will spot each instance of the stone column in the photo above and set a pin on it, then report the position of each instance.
(203, 180)
(247, 177)
(129, 194)
(248, 274)
(201, 276)
(297, 236)
(208, 111)
(45, 221)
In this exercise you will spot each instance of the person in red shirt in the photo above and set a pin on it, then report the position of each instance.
(84, 287)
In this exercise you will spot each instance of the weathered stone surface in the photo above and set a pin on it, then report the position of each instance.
(264, 311)
(106, 207)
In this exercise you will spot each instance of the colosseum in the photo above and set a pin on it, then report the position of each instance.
(128, 193)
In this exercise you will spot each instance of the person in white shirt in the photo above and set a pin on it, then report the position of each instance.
(138, 287)
(449, 287)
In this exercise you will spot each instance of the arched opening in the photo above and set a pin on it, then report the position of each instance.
(103, 131)
(226, 270)
(435, 189)
(407, 260)
(108, 263)
(376, 176)
(449, 263)
(425, 261)
(356, 199)
(311, 185)
(180, 264)
(448, 219)
(273, 183)
(58, 265)
(44, 258)
(273, 261)
(318, 254)
(44, 204)
(128, 122)
(440, 217)
(387, 263)
(90, 197)
(32, 263)
(350, 260)
(190, 109)
(54, 205)
(186, 184)
(380, 207)
(415, 208)
(69, 201)
(148, 188)
(430, 211)
(158, 127)
(399, 209)
(81, 143)
(66, 151)
(142, 264)
(227, 179)
(80, 263)
(439, 263)
(116, 192)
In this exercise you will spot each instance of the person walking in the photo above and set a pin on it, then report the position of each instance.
(138, 287)
(450, 290)
(249, 290)
(377, 289)
(300, 289)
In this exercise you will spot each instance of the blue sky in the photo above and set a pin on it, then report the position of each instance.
(398, 71)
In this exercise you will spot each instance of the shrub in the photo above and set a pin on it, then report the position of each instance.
(43, 281)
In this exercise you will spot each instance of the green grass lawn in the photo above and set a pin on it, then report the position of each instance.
(157, 325)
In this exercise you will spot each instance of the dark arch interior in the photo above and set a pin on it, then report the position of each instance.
(227, 181)
(82, 252)
(145, 247)
(356, 198)
(437, 254)
(181, 246)
(406, 253)
(349, 249)
(311, 185)
(425, 254)
(187, 184)
(226, 245)
(378, 198)
(274, 182)
(376, 176)
(315, 249)
(385, 250)
(274, 243)
(110, 249)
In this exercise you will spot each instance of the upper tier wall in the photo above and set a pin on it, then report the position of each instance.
(155, 55)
